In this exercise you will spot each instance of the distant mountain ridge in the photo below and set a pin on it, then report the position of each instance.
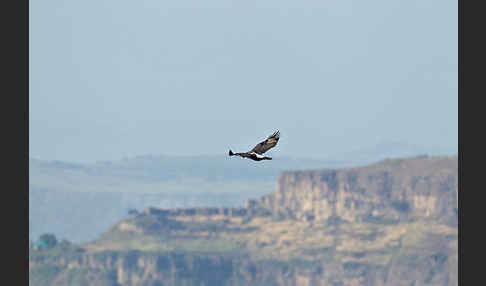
(64, 194)
(163, 168)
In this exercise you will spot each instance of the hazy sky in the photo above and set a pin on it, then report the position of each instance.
(113, 78)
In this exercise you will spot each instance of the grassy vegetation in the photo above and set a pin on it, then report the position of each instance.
(66, 251)
(264, 238)
(359, 248)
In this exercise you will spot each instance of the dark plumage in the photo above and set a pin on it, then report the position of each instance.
(256, 153)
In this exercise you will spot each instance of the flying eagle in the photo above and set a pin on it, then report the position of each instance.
(256, 153)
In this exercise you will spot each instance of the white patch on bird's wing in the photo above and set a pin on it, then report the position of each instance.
(257, 155)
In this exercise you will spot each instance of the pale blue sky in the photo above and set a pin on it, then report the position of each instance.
(113, 78)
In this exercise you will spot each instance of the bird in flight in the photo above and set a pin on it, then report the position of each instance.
(256, 153)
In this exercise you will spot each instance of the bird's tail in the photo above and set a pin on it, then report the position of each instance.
(231, 153)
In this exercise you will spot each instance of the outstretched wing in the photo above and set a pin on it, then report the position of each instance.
(266, 145)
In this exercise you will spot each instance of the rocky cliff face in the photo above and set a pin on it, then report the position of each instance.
(391, 223)
(392, 190)
(135, 268)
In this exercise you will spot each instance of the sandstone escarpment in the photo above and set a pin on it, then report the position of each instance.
(389, 191)
(392, 190)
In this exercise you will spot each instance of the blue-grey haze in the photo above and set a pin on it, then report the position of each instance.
(111, 79)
